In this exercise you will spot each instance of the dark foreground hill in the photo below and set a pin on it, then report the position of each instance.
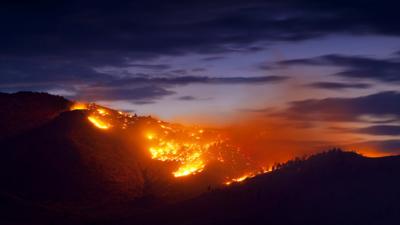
(55, 162)
(330, 188)
(22, 111)
(69, 161)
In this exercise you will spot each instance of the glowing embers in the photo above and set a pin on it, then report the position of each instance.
(248, 175)
(79, 106)
(99, 123)
(98, 117)
(190, 168)
(102, 112)
(240, 179)
(104, 118)
(181, 145)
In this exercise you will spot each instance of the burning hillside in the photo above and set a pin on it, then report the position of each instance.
(230, 154)
(142, 155)
(193, 149)
(135, 156)
(106, 164)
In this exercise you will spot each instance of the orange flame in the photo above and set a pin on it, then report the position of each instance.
(192, 148)
(248, 175)
(181, 146)
(79, 106)
(99, 123)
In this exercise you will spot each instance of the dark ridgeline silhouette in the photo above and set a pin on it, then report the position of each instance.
(22, 111)
(56, 168)
(68, 160)
(59, 163)
(329, 188)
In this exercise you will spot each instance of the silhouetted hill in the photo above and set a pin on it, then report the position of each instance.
(330, 188)
(61, 160)
(68, 160)
(26, 110)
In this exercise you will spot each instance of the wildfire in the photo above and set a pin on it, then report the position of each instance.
(98, 123)
(191, 148)
(150, 136)
(194, 150)
(248, 175)
(102, 112)
(190, 168)
(104, 118)
(179, 145)
(239, 179)
(79, 106)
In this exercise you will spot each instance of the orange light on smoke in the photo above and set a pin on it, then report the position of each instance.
(150, 136)
(79, 106)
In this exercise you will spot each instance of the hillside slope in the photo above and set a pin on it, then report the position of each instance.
(330, 188)
(68, 160)
(22, 111)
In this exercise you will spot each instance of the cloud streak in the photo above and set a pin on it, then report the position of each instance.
(146, 94)
(380, 130)
(184, 80)
(382, 104)
(339, 85)
(385, 70)
(155, 27)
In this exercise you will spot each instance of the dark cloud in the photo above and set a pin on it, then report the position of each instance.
(50, 70)
(183, 80)
(258, 110)
(191, 98)
(143, 102)
(213, 58)
(380, 130)
(148, 88)
(138, 94)
(150, 28)
(187, 98)
(338, 85)
(45, 43)
(154, 88)
(151, 66)
(144, 90)
(78, 75)
(263, 66)
(378, 105)
(199, 69)
(181, 71)
(387, 70)
(386, 146)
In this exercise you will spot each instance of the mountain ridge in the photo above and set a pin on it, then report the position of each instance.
(63, 169)
(328, 188)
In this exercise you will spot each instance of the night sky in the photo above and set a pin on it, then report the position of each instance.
(312, 62)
